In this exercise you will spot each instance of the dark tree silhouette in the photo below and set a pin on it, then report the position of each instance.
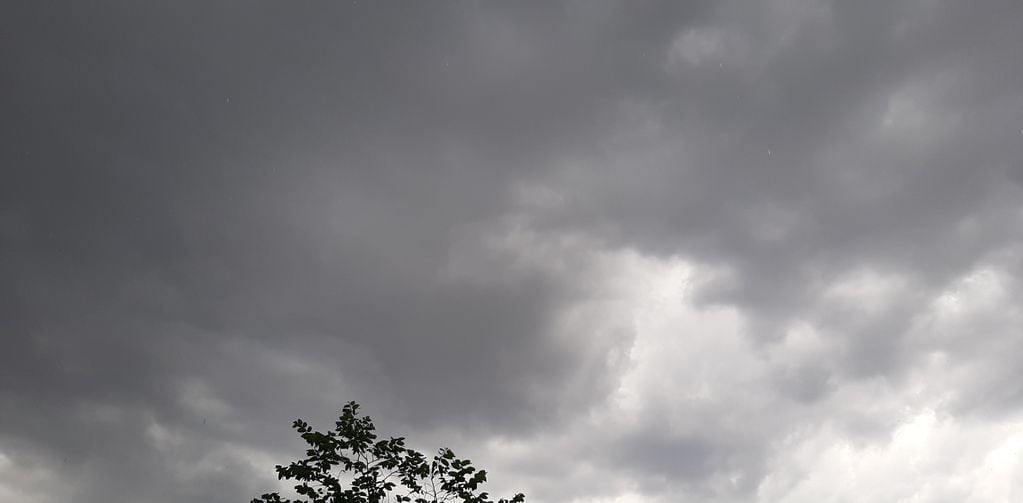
(350, 465)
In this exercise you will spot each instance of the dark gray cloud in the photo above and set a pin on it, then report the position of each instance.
(690, 245)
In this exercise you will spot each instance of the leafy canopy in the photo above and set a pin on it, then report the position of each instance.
(350, 465)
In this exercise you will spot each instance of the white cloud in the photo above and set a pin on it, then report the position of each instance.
(698, 46)
(27, 478)
(696, 383)
(927, 458)
(867, 291)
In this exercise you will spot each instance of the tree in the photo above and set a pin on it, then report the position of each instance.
(350, 465)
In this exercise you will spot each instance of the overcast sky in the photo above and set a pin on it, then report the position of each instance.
(633, 252)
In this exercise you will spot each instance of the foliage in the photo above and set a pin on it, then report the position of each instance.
(350, 465)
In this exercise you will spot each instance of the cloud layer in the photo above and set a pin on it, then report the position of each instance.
(709, 251)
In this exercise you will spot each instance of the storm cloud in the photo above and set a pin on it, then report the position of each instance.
(612, 251)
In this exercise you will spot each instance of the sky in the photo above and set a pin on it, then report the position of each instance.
(613, 252)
